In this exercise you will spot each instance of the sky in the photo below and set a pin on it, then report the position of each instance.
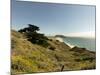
(54, 19)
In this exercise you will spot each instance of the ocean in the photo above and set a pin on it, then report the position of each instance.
(88, 43)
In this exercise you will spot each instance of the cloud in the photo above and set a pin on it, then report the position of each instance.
(81, 34)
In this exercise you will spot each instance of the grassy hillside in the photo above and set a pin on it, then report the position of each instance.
(32, 58)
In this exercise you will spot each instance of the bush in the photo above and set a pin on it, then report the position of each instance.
(57, 40)
(52, 48)
(85, 59)
(44, 43)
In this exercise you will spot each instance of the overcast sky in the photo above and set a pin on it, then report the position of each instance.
(54, 18)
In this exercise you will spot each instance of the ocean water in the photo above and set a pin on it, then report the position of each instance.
(88, 43)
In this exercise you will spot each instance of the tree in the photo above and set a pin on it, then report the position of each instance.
(30, 28)
(31, 33)
(33, 28)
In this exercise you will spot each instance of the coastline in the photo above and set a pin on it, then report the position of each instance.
(61, 39)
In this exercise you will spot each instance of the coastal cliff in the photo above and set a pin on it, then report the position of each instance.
(27, 57)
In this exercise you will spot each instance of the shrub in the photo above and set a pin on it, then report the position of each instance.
(50, 39)
(85, 59)
(52, 48)
(44, 43)
(57, 40)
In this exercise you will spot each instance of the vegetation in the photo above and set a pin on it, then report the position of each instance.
(32, 56)
(30, 28)
(34, 37)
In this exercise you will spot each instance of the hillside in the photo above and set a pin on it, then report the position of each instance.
(33, 58)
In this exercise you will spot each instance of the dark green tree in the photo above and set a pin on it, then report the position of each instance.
(30, 28)
(33, 36)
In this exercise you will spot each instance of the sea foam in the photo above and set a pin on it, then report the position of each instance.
(61, 40)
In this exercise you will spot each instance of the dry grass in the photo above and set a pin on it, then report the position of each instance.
(30, 58)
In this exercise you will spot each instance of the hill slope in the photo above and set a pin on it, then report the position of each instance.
(32, 58)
